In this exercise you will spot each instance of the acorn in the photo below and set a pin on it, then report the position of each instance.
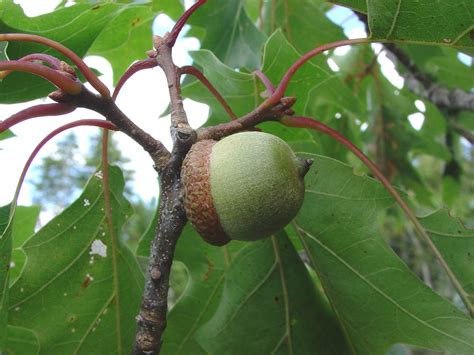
(246, 186)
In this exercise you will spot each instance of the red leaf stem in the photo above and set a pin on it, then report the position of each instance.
(57, 78)
(189, 69)
(53, 62)
(54, 109)
(83, 68)
(305, 122)
(141, 65)
(182, 21)
(280, 90)
(86, 122)
(265, 81)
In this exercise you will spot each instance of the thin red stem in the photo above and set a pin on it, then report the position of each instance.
(280, 90)
(189, 69)
(86, 122)
(182, 21)
(83, 68)
(42, 110)
(55, 77)
(141, 65)
(265, 81)
(54, 62)
(305, 122)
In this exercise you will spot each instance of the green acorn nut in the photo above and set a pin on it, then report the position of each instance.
(245, 187)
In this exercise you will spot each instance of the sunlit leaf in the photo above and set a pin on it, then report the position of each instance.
(229, 33)
(300, 30)
(448, 23)
(125, 39)
(5, 255)
(24, 224)
(80, 289)
(115, 27)
(22, 341)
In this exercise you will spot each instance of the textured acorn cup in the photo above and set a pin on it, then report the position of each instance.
(245, 187)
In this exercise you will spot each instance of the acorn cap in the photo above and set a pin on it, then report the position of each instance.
(198, 202)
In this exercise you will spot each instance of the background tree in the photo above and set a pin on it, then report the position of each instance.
(61, 176)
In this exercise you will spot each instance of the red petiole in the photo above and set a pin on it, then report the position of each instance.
(83, 68)
(59, 79)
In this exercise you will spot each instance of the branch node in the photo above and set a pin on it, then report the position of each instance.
(158, 41)
(61, 96)
(155, 273)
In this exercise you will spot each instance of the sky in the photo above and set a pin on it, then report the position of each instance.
(140, 103)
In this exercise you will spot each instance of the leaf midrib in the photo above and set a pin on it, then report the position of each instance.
(382, 293)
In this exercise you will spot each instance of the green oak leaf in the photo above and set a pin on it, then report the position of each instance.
(24, 224)
(5, 255)
(125, 39)
(300, 30)
(270, 300)
(236, 87)
(22, 341)
(447, 23)
(205, 266)
(456, 244)
(80, 289)
(172, 8)
(229, 33)
(314, 85)
(378, 300)
(107, 29)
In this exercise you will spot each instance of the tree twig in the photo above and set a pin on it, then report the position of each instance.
(107, 107)
(469, 136)
(151, 321)
(423, 85)
(250, 120)
(181, 133)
